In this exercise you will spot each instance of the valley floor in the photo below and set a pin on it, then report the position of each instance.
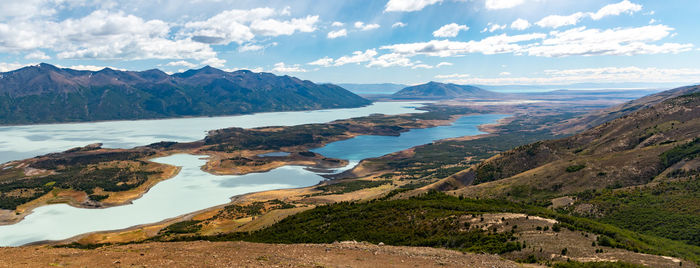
(244, 254)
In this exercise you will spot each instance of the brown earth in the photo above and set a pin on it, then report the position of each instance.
(244, 254)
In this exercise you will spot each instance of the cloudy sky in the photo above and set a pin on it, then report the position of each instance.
(494, 42)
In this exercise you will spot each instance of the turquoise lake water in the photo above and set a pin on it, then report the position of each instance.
(193, 190)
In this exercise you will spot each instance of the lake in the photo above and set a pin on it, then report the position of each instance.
(21, 142)
(192, 189)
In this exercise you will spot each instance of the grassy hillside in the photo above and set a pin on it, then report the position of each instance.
(638, 172)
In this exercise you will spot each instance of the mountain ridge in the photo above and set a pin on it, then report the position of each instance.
(47, 94)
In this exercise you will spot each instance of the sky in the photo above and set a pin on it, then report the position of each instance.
(487, 42)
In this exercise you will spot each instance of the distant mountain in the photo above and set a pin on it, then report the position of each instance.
(385, 88)
(435, 90)
(47, 94)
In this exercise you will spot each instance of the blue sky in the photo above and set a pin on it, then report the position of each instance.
(493, 42)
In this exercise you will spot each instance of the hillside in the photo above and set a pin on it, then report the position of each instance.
(636, 172)
(207, 254)
(436, 90)
(47, 94)
(604, 115)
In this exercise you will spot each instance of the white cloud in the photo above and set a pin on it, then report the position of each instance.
(250, 47)
(504, 74)
(408, 5)
(556, 21)
(497, 44)
(281, 67)
(254, 69)
(325, 62)
(368, 56)
(366, 27)
(37, 55)
(596, 75)
(93, 68)
(357, 57)
(102, 35)
(214, 62)
(616, 9)
(444, 63)
(272, 27)
(502, 4)
(520, 24)
(652, 21)
(182, 63)
(422, 66)
(398, 25)
(26, 9)
(492, 27)
(390, 60)
(6, 67)
(239, 26)
(337, 24)
(336, 34)
(450, 30)
(618, 41)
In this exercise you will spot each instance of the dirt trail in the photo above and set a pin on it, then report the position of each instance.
(243, 254)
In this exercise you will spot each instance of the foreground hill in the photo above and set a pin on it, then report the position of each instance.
(46, 94)
(436, 90)
(598, 117)
(639, 172)
(207, 254)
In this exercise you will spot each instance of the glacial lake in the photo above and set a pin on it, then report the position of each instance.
(192, 189)
(21, 142)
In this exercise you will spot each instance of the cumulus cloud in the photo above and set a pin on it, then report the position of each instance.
(369, 57)
(93, 68)
(356, 57)
(281, 67)
(444, 63)
(6, 67)
(618, 41)
(37, 55)
(250, 47)
(450, 30)
(422, 66)
(182, 63)
(445, 48)
(325, 62)
(398, 25)
(556, 21)
(214, 62)
(336, 34)
(492, 27)
(408, 5)
(390, 60)
(337, 24)
(616, 9)
(239, 26)
(365, 27)
(520, 24)
(103, 35)
(502, 4)
(569, 76)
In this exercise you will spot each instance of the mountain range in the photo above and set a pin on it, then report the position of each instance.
(46, 94)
